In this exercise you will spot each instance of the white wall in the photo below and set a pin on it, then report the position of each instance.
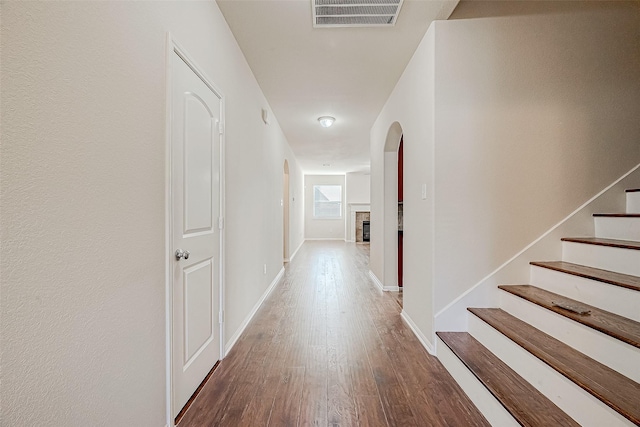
(409, 110)
(536, 112)
(83, 202)
(322, 228)
(485, 293)
(512, 122)
(358, 188)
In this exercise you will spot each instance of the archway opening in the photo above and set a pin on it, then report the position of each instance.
(393, 195)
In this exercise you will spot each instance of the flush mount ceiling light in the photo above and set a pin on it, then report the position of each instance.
(326, 121)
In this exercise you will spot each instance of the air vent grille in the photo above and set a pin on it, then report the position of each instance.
(355, 13)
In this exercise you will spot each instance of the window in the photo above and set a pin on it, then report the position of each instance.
(327, 201)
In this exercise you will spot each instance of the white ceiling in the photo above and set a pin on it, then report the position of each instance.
(307, 72)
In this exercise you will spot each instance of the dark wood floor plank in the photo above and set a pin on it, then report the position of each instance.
(392, 394)
(616, 326)
(326, 345)
(605, 276)
(313, 405)
(362, 379)
(286, 407)
(341, 406)
(526, 404)
(258, 410)
(611, 387)
(370, 412)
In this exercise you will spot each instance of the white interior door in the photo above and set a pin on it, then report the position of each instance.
(195, 206)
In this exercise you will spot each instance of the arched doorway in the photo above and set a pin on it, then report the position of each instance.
(285, 213)
(392, 208)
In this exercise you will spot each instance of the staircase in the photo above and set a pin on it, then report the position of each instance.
(564, 350)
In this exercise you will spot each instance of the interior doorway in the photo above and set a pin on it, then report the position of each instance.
(392, 217)
(195, 209)
(285, 213)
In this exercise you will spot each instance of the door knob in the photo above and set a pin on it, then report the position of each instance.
(182, 254)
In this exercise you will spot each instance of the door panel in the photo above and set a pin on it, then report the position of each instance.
(199, 132)
(195, 207)
(198, 310)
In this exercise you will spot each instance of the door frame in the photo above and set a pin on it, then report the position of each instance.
(172, 46)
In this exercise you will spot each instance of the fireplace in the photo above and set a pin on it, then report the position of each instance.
(357, 214)
(360, 219)
(366, 231)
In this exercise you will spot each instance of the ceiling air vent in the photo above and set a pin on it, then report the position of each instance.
(355, 13)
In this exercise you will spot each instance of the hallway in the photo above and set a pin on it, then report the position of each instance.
(327, 349)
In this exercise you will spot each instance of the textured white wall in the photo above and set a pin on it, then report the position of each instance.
(322, 228)
(358, 188)
(512, 122)
(411, 107)
(82, 192)
(536, 112)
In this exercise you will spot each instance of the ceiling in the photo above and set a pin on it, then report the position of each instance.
(307, 72)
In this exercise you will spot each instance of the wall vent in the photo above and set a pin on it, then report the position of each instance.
(355, 13)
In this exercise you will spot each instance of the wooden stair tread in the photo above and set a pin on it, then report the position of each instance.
(617, 215)
(605, 276)
(625, 244)
(606, 322)
(633, 190)
(612, 388)
(526, 404)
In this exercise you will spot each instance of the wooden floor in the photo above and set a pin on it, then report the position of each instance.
(328, 349)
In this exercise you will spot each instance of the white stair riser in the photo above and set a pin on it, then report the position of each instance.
(573, 400)
(607, 350)
(492, 410)
(625, 261)
(615, 299)
(633, 202)
(618, 228)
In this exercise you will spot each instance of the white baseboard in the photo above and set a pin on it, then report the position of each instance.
(380, 286)
(417, 332)
(229, 345)
(376, 281)
(325, 238)
(296, 251)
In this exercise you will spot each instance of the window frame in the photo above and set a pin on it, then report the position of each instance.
(324, 217)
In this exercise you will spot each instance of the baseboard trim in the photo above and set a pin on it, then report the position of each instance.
(380, 286)
(416, 331)
(296, 251)
(229, 345)
(376, 281)
(324, 238)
